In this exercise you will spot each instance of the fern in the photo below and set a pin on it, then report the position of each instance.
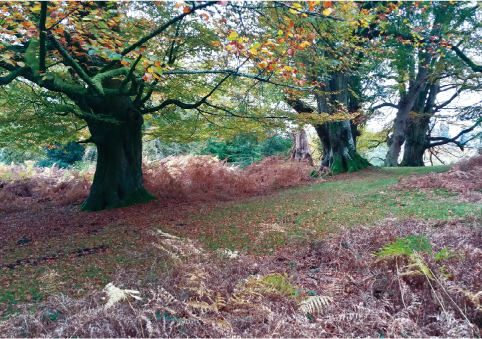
(115, 294)
(407, 246)
(315, 305)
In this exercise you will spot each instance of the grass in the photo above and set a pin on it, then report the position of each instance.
(259, 225)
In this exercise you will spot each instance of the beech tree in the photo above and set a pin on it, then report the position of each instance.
(120, 68)
(427, 66)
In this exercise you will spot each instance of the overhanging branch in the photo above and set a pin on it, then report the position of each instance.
(182, 104)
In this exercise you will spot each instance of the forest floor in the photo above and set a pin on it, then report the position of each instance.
(86, 249)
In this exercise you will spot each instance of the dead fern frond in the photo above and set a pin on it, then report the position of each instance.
(475, 298)
(50, 281)
(314, 305)
(115, 294)
(201, 305)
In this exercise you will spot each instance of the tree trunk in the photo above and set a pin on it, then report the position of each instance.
(418, 125)
(339, 149)
(415, 141)
(301, 148)
(118, 176)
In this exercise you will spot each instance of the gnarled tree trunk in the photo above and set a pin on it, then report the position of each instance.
(339, 149)
(337, 138)
(409, 99)
(118, 176)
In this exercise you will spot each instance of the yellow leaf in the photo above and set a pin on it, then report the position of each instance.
(233, 36)
(326, 12)
(240, 40)
(264, 50)
(280, 32)
(36, 8)
(229, 47)
(254, 51)
(216, 43)
(288, 68)
(150, 70)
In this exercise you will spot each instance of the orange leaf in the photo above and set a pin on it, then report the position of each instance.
(216, 43)
(124, 62)
(292, 24)
(328, 4)
(187, 9)
(145, 63)
(178, 5)
(158, 64)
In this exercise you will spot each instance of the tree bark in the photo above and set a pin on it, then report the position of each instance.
(301, 148)
(118, 176)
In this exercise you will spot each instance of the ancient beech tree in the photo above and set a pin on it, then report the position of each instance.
(98, 58)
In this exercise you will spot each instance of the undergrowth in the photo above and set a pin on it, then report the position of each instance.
(399, 278)
(194, 177)
(464, 178)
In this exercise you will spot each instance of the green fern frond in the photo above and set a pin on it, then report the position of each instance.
(408, 246)
(314, 305)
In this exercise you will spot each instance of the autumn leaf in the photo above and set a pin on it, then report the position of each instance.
(186, 9)
(326, 12)
(233, 36)
(262, 65)
(216, 43)
(327, 4)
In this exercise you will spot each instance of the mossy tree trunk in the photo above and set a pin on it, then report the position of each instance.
(116, 131)
(337, 138)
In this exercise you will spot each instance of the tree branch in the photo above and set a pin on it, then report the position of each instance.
(42, 36)
(129, 75)
(5, 80)
(156, 32)
(385, 104)
(182, 104)
(92, 84)
(464, 58)
(444, 141)
(234, 72)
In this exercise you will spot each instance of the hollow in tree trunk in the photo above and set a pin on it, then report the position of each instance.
(118, 176)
